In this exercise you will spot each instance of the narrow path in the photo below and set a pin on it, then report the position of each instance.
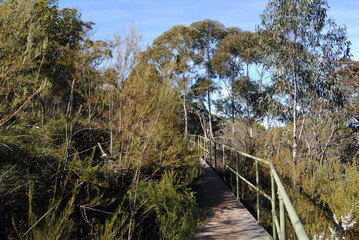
(226, 218)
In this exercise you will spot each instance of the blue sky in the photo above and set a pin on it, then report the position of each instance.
(153, 17)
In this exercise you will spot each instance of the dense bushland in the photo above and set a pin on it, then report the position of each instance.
(87, 151)
(92, 139)
(290, 96)
(323, 185)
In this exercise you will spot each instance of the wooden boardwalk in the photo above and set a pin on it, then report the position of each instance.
(226, 217)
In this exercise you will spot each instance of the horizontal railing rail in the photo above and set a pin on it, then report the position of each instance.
(212, 150)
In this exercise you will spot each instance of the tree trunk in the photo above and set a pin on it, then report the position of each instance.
(202, 125)
(295, 145)
(233, 77)
(209, 114)
(110, 116)
(185, 115)
(43, 110)
(232, 101)
(89, 104)
(209, 98)
(68, 132)
(295, 100)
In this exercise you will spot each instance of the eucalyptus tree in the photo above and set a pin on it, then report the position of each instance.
(227, 63)
(349, 75)
(207, 35)
(171, 53)
(237, 51)
(302, 48)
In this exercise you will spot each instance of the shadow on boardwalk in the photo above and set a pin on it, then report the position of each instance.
(226, 218)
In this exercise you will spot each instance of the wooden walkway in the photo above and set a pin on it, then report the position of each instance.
(226, 218)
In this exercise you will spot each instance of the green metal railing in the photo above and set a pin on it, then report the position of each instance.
(219, 155)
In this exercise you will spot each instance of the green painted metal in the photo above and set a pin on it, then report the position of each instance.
(208, 148)
(237, 181)
(281, 217)
(257, 191)
(274, 213)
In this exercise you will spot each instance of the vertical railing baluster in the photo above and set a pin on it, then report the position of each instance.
(199, 144)
(282, 218)
(237, 175)
(224, 164)
(274, 229)
(215, 156)
(205, 149)
(230, 179)
(257, 185)
(223, 156)
(278, 193)
(211, 153)
(212, 159)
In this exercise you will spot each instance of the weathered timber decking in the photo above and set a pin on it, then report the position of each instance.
(226, 217)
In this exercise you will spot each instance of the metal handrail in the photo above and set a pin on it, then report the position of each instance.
(285, 205)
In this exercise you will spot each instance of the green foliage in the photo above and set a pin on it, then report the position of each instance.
(247, 97)
(75, 144)
(323, 182)
(114, 227)
(91, 153)
(175, 211)
(303, 46)
(27, 57)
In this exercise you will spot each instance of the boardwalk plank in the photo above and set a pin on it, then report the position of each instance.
(226, 218)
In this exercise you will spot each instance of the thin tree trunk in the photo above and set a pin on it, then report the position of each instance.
(327, 144)
(89, 104)
(185, 115)
(110, 116)
(111, 142)
(295, 144)
(209, 114)
(209, 99)
(232, 100)
(233, 77)
(295, 100)
(247, 70)
(260, 73)
(68, 131)
(202, 125)
(43, 109)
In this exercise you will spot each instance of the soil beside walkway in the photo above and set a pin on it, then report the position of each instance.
(226, 217)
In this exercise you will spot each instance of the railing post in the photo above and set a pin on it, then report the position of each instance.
(279, 196)
(215, 156)
(230, 178)
(200, 139)
(224, 164)
(211, 152)
(274, 229)
(282, 218)
(200, 144)
(205, 149)
(257, 185)
(223, 157)
(237, 177)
